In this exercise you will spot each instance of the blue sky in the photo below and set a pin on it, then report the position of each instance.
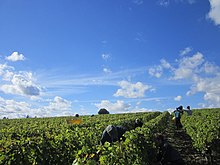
(76, 56)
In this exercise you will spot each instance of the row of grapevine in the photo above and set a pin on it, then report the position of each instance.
(203, 126)
(138, 148)
(53, 141)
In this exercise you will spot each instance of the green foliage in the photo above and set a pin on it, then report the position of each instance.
(203, 127)
(52, 141)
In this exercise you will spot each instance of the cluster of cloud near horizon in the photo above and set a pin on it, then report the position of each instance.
(204, 77)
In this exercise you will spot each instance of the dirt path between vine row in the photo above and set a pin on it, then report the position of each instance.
(182, 142)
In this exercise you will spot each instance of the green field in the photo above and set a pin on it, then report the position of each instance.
(54, 141)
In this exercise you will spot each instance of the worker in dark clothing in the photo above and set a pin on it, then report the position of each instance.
(189, 111)
(112, 134)
(177, 115)
(166, 154)
(180, 109)
(138, 123)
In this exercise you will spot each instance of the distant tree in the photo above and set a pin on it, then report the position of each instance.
(27, 116)
(103, 111)
(4, 118)
(77, 115)
(92, 115)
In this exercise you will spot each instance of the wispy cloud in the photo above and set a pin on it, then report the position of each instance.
(56, 80)
(164, 3)
(138, 2)
(185, 51)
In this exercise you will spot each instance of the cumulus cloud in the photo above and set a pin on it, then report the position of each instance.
(210, 68)
(118, 107)
(15, 109)
(210, 87)
(214, 13)
(22, 84)
(129, 90)
(15, 56)
(6, 72)
(178, 98)
(203, 75)
(59, 104)
(188, 66)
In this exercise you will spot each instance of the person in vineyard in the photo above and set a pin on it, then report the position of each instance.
(177, 116)
(138, 123)
(112, 134)
(166, 154)
(189, 111)
(180, 109)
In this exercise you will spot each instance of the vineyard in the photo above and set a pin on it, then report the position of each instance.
(39, 141)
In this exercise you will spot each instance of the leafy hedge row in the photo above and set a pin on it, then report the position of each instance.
(53, 141)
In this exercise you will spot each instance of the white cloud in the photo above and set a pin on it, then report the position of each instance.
(178, 98)
(59, 104)
(214, 13)
(6, 72)
(210, 87)
(165, 64)
(14, 109)
(188, 66)
(106, 70)
(15, 57)
(129, 90)
(117, 107)
(106, 56)
(210, 68)
(203, 75)
(121, 107)
(22, 84)
(156, 71)
(185, 51)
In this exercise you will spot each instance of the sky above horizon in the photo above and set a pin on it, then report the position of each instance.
(70, 57)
